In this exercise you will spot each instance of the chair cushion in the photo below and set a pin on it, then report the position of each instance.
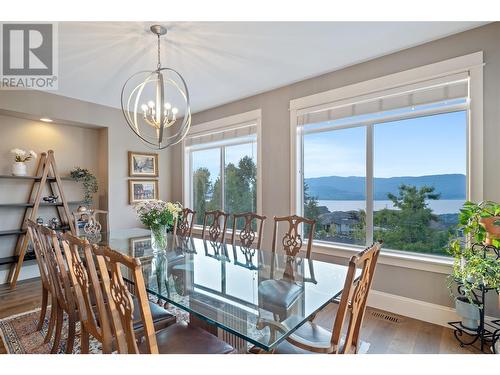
(161, 317)
(278, 293)
(182, 338)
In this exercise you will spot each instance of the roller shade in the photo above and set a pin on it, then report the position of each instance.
(422, 93)
(227, 135)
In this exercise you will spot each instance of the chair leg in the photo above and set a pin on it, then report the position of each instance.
(58, 329)
(84, 340)
(43, 311)
(52, 320)
(70, 342)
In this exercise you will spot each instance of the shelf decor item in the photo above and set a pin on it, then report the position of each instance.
(21, 157)
(141, 164)
(159, 217)
(89, 183)
(152, 102)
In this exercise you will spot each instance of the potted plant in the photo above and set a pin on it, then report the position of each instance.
(89, 183)
(473, 267)
(21, 157)
(159, 217)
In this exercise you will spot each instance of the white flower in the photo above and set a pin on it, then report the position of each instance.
(18, 152)
(33, 154)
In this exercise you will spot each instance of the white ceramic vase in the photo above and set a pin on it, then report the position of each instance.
(19, 168)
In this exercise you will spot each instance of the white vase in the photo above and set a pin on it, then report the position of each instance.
(19, 168)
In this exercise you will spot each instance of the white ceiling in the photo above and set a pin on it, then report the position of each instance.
(225, 61)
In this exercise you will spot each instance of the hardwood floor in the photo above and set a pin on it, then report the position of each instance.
(385, 332)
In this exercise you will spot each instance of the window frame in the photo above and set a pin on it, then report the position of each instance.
(223, 124)
(471, 64)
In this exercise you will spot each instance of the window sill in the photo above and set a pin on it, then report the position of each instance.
(429, 263)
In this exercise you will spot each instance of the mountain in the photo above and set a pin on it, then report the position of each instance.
(451, 186)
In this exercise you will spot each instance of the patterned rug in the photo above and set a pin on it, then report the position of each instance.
(19, 335)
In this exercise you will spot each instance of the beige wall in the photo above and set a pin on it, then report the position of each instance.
(421, 285)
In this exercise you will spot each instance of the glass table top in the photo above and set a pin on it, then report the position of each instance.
(246, 292)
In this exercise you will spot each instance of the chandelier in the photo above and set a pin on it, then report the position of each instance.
(154, 101)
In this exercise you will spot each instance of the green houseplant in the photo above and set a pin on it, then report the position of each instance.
(89, 183)
(473, 267)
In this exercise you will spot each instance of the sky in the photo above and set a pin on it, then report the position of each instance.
(414, 147)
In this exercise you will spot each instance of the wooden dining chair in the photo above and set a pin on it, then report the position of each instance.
(311, 337)
(63, 300)
(217, 228)
(90, 297)
(247, 235)
(292, 242)
(35, 240)
(88, 293)
(185, 222)
(179, 338)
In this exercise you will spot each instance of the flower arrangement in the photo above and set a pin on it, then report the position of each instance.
(158, 216)
(153, 213)
(22, 156)
(89, 182)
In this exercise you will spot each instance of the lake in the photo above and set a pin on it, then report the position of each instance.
(443, 206)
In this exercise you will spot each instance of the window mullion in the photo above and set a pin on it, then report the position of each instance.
(222, 176)
(369, 184)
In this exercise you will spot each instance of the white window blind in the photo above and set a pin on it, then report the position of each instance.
(451, 87)
(241, 132)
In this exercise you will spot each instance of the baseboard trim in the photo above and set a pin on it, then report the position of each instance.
(425, 311)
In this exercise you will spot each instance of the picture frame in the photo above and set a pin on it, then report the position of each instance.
(142, 190)
(139, 245)
(142, 164)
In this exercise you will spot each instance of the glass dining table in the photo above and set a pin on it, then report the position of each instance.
(244, 292)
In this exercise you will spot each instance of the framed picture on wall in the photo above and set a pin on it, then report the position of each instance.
(142, 190)
(141, 164)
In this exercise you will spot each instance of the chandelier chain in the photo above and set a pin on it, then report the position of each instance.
(158, 66)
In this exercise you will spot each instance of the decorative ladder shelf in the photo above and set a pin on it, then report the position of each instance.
(45, 175)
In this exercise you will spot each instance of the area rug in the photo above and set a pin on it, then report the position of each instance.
(19, 335)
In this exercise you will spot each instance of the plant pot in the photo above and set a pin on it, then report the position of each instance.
(469, 312)
(493, 231)
(19, 168)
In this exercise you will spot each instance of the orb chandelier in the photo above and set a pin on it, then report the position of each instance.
(154, 101)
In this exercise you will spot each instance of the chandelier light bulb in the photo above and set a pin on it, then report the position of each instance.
(144, 107)
(168, 106)
(175, 110)
(151, 104)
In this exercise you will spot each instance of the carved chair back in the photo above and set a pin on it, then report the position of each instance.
(353, 300)
(292, 242)
(247, 235)
(93, 226)
(120, 304)
(36, 241)
(87, 286)
(56, 267)
(216, 231)
(185, 222)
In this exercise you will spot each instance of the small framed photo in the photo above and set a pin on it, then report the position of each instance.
(142, 190)
(142, 164)
(139, 246)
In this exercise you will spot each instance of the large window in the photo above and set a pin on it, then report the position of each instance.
(223, 173)
(398, 174)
